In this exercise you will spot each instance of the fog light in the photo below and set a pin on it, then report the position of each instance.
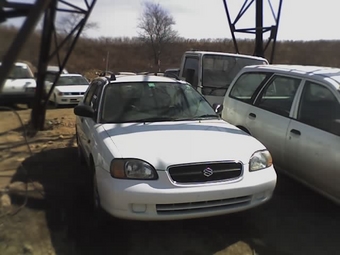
(260, 196)
(138, 208)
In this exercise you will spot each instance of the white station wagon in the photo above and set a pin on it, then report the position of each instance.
(158, 151)
(295, 112)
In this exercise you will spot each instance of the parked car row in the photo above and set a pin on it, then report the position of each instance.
(20, 86)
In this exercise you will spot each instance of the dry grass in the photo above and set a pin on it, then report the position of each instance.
(129, 54)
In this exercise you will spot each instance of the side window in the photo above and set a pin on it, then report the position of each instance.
(319, 108)
(96, 97)
(90, 92)
(190, 71)
(246, 86)
(278, 95)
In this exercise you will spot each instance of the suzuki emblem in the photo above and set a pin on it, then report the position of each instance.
(207, 172)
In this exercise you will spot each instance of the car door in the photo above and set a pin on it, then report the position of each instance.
(313, 139)
(85, 124)
(268, 119)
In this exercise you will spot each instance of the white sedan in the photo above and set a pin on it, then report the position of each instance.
(70, 89)
(158, 151)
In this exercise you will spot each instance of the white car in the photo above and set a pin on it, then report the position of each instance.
(20, 85)
(158, 151)
(70, 89)
(295, 112)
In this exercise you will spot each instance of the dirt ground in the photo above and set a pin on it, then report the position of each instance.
(44, 208)
(31, 182)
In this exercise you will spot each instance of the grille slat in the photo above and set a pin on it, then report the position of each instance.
(205, 172)
(204, 205)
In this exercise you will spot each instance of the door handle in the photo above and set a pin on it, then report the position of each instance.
(295, 132)
(252, 115)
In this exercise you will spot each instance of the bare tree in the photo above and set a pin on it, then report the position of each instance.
(155, 28)
(67, 22)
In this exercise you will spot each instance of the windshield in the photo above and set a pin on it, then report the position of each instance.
(20, 72)
(160, 101)
(72, 80)
(219, 71)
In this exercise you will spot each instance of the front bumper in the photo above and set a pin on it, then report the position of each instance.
(67, 100)
(163, 200)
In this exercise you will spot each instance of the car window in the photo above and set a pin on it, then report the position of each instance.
(218, 71)
(190, 70)
(319, 108)
(20, 72)
(246, 85)
(90, 92)
(278, 95)
(72, 80)
(138, 101)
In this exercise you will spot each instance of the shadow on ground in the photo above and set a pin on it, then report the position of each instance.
(295, 221)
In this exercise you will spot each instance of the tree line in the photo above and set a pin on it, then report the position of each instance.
(158, 47)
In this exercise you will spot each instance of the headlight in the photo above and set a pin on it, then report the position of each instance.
(260, 160)
(30, 90)
(64, 93)
(132, 169)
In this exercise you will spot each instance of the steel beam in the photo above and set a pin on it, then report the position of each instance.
(33, 12)
(27, 28)
(259, 30)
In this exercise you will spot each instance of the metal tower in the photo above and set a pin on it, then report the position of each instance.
(259, 30)
(50, 47)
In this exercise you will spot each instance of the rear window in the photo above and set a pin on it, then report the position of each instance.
(20, 72)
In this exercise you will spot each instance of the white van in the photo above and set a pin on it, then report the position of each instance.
(295, 112)
(211, 73)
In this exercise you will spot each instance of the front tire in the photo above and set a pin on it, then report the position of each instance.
(100, 217)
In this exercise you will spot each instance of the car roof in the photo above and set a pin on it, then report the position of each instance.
(19, 64)
(145, 78)
(225, 54)
(317, 72)
(69, 74)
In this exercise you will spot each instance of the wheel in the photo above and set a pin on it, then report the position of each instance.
(29, 105)
(100, 217)
(56, 105)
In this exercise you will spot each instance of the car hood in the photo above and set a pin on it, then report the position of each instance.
(72, 88)
(18, 85)
(167, 143)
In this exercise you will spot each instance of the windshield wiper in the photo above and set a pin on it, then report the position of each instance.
(154, 119)
(207, 116)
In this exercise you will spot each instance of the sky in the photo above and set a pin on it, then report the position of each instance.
(201, 19)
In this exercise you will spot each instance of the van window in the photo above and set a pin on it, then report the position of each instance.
(247, 84)
(190, 71)
(278, 95)
(319, 108)
(220, 70)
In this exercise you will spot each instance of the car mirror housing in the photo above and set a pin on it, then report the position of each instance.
(83, 110)
(218, 108)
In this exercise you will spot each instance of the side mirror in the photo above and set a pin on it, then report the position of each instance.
(218, 108)
(83, 110)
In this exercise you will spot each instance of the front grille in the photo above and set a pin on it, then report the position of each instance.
(77, 93)
(205, 172)
(192, 207)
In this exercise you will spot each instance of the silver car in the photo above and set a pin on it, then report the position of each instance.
(295, 112)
